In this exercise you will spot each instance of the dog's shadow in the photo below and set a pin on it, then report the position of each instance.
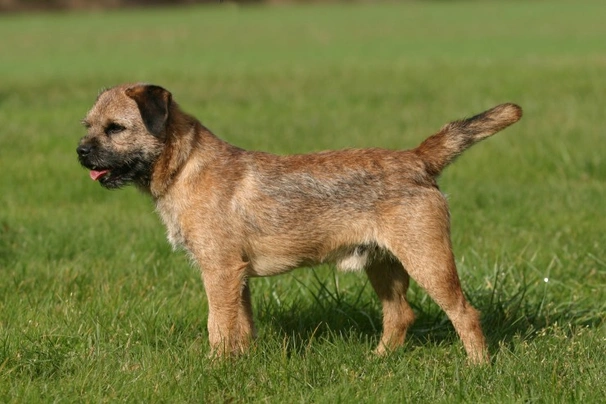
(327, 315)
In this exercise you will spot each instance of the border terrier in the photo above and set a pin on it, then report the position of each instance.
(243, 214)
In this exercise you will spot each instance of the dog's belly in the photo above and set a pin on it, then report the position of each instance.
(274, 265)
(351, 258)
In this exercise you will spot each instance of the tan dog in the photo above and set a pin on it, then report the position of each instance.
(243, 214)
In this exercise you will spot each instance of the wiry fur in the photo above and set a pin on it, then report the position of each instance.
(242, 214)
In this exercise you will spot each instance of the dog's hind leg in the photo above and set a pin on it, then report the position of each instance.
(439, 278)
(390, 282)
(426, 253)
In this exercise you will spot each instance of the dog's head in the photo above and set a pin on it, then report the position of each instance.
(126, 131)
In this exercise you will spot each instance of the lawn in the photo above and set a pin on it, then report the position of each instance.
(95, 307)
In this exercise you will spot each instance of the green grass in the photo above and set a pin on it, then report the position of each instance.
(95, 307)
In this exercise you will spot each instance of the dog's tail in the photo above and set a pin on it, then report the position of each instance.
(454, 138)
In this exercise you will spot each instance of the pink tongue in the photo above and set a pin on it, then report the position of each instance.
(95, 175)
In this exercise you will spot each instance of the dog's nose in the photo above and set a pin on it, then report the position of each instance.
(83, 150)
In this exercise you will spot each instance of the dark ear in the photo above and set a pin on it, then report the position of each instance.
(153, 102)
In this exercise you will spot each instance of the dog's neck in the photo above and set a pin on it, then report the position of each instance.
(184, 136)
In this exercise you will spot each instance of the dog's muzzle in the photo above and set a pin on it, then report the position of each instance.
(84, 150)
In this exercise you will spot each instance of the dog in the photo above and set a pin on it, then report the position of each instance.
(242, 214)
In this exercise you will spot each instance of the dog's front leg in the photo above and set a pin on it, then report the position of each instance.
(230, 323)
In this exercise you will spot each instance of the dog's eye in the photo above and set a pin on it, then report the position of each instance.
(114, 128)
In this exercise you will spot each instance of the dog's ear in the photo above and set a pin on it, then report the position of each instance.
(153, 102)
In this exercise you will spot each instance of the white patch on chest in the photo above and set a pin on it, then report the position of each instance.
(171, 220)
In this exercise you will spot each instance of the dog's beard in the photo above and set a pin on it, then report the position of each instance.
(117, 171)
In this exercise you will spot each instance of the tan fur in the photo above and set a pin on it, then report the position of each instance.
(242, 214)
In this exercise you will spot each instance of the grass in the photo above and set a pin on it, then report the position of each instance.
(95, 307)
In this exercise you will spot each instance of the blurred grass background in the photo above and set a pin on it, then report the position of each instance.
(94, 306)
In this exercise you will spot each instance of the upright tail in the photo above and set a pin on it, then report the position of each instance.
(454, 138)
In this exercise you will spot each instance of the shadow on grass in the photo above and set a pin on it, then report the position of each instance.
(324, 313)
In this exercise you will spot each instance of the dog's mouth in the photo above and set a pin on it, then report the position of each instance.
(95, 175)
(112, 176)
(109, 178)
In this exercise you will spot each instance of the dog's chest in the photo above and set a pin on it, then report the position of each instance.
(170, 218)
